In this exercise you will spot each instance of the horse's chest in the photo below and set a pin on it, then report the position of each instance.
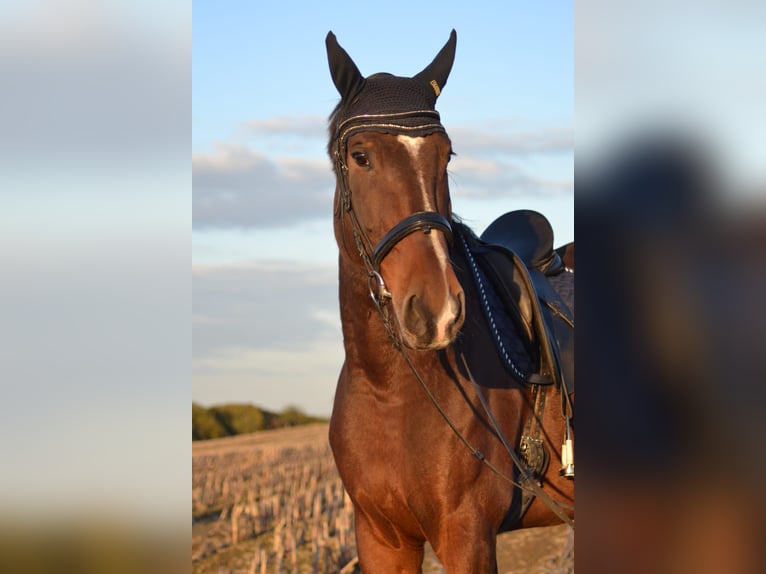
(380, 451)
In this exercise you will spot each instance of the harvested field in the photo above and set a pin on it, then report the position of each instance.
(273, 502)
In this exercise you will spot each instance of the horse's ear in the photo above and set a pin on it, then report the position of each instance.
(436, 73)
(345, 74)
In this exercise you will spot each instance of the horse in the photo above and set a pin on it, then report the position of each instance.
(428, 426)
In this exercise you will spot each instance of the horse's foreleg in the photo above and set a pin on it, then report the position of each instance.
(465, 550)
(383, 550)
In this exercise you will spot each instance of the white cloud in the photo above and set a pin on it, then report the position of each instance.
(504, 160)
(485, 178)
(259, 305)
(235, 186)
(273, 326)
(271, 378)
(498, 140)
(304, 126)
(327, 317)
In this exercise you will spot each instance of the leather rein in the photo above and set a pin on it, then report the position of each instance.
(372, 257)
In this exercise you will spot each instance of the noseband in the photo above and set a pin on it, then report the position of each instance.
(423, 221)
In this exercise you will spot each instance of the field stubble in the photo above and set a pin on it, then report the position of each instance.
(273, 502)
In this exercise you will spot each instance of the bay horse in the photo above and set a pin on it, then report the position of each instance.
(427, 422)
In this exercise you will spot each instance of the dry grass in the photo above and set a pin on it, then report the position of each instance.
(273, 502)
(269, 502)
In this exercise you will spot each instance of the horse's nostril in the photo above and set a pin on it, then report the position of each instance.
(456, 319)
(413, 315)
(433, 327)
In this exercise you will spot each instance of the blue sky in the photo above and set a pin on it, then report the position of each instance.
(265, 321)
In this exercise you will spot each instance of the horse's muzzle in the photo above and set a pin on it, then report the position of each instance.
(424, 329)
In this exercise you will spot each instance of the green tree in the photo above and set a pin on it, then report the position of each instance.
(239, 419)
(293, 416)
(205, 425)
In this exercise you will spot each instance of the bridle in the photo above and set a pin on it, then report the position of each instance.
(372, 257)
(425, 221)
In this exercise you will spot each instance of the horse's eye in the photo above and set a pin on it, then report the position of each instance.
(361, 159)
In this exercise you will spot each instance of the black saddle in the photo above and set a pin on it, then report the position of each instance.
(527, 295)
(529, 235)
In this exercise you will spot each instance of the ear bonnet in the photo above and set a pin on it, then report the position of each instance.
(384, 102)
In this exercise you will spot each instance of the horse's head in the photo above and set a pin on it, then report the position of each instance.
(393, 207)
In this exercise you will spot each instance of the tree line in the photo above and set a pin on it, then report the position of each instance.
(233, 419)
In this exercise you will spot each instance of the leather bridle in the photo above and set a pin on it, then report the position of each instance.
(425, 221)
(372, 257)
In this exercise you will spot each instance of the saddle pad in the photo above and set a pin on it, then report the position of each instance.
(512, 334)
(511, 337)
(536, 345)
(563, 285)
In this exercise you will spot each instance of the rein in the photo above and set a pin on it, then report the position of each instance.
(528, 483)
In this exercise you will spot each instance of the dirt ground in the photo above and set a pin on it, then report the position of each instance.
(546, 550)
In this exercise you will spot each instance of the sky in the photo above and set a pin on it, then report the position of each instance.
(266, 327)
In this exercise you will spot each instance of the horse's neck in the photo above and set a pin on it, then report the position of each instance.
(370, 352)
(364, 333)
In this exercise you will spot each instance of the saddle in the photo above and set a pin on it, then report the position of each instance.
(527, 293)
